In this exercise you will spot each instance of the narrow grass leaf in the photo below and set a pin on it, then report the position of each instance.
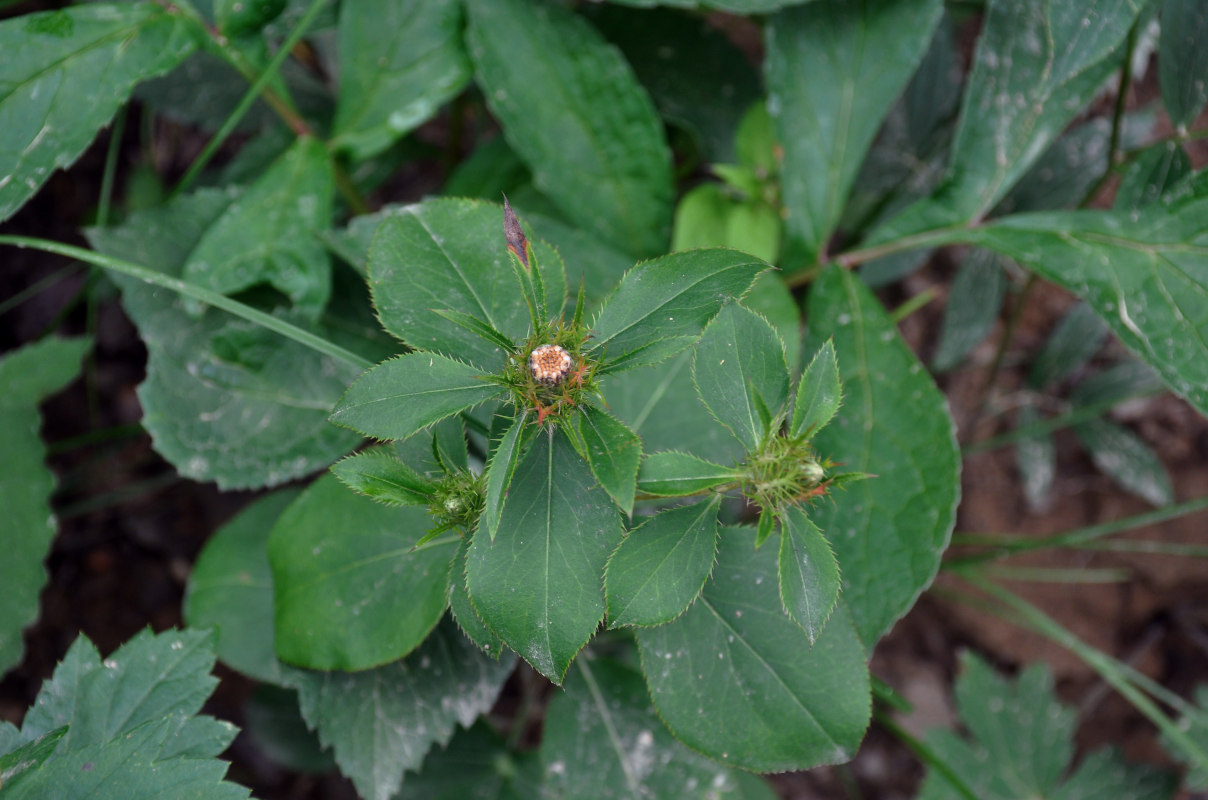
(1120, 454)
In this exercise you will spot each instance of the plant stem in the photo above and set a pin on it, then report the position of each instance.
(185, 289)
(1109, 669)
(33, 289)
(1007, 545)
(923, 753)
(291, 117)
(111, 155)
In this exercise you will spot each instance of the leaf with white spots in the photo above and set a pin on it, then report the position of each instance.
(270, 233)
(1020, 744)
(383, 721)
(1145, 272)
(887, 532)
(28, 375)
(350, 592)
(1036, 66)
(224, 400)
(63, 76)
(736, 679)
(602, 732)
(391, 84)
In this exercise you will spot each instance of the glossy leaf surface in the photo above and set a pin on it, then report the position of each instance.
(350, 593)
(613, 452)
(809, 576)
(231, 589)
(673, 474)
(540, 584)
(661, 565)
(736, 679)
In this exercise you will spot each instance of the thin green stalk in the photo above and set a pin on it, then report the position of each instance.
(912, 305)
(1152, 548)
(33, 289)
(924, 753)
(1117, 675)
(100, 436)
(1058, 575)
(116, 133)
(258, 85)
(1001, 351)
(1068, 419)
(1012, 544)
(185, 289)
(117, 497)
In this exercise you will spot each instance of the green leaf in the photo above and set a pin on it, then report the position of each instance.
(1195, 722)
(390, 84)
(1071, 167)
(64, 75)
(601, 732)
(464, 615)
(771, 298)
(380, 476)
(1156, 174)
(450, 254)
(1145, 272)
(350, 593)
(734, 6)
(1037, 64)
(673, 474)
(660, 566)
(501, 468)
(28, 756)
(834, 69)
(231, 589)
(143, 764)
(974, 302)
(152, 678)
(236, 18)
(1021, 745)
(698, 78)
(540, 584)
(661, 306)
(207, 377)
(613, 452)
(741, 375)
(382, 721)
(661, 405)
(1182, 61)
(736, 679)
(1073, 343)
(399, 398)
(1130, 462)
(28, 375)
(809, 575)
(1036, 461)
(571, 107)
(819, 393)
(1126, 380)
(888, 532)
